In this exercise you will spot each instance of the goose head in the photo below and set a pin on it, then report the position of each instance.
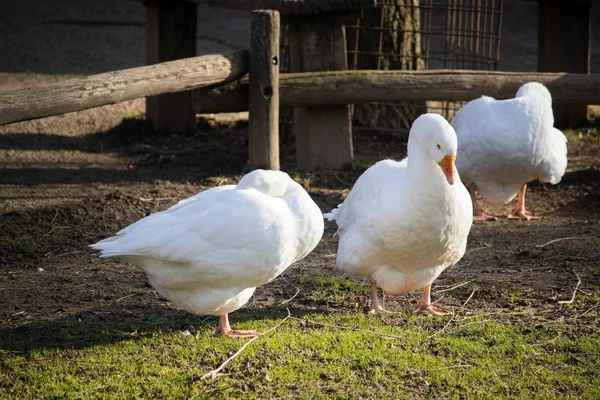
(269, 182)
(536, 89)
(438, 140)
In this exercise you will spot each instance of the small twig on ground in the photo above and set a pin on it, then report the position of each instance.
(295, 294)
(66, 254)
(341, 180)
(588, 310)
(126, 297)
(565, 238)
(215, 372)
(452, 366)
(53, 218)
(453, 287)
(470, 297)
(348, 328)
(443, 327)
(10, 351)
(476, 249)
(574, 291)
(146, 200)
(51, 227)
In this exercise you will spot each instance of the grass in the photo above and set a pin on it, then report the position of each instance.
(315, 354)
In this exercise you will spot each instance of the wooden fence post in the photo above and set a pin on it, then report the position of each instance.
(564, 46)
(263, 139)
(171, 35)
(323, 134)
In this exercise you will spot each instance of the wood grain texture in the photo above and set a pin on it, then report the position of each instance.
(355, 87)
(263, 132)
(171, 35)
(114, 87)
(323, 132)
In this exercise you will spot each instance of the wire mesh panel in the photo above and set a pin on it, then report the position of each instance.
(425, 34)
(472, 41)
(413, 35)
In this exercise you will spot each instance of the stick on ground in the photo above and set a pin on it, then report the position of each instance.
(215, 372)
(565, 238)
(470, 297)
(574, 291)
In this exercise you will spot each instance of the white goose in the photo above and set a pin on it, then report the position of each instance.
(504, 144)
(209, 253)
(404, 222)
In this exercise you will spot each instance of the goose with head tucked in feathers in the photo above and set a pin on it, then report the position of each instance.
(207, 254)
(504, 144)
(404, 222)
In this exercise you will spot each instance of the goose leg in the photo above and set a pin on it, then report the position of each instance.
(425, 306)
(375, 303)
(224, 328)
(520, 212)
(478, 214)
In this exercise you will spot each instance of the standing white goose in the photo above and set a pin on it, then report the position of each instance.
(504, 144)
(404, 222)
(209, 253)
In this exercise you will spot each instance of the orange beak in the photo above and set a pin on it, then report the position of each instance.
(447, 165)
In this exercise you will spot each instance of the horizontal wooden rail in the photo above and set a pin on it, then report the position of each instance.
(355, 87)
(296, 90)
(114, 87)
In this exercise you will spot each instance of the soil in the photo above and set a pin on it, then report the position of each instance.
(60, 194)
(68, 181)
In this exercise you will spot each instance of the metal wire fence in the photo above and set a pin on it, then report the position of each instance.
(414, 35)
(425, 34)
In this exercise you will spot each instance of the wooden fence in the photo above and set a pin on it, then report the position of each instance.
(220, 84)
(117, 86)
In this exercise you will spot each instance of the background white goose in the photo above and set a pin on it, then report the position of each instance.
(503, 144)
(208, 253)
(404, 222)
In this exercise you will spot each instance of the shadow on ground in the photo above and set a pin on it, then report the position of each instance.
(111, 324)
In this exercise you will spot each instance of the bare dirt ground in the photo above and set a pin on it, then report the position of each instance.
(56, 201)
(68, 181)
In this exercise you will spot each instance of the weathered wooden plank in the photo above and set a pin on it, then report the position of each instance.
(564, 46)
(291, 6)
(114, 87)
(355, 87)
(323, 134)
(171, 35)
(263, 135)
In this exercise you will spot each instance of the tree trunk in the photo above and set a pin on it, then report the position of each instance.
(394, 45)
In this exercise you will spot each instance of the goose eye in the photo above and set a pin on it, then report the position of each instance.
(439, 147)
